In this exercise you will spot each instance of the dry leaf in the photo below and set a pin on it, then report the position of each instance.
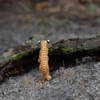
(54, 9)
(39, 6)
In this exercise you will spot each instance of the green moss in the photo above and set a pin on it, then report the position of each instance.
(78, 48)
(86, 48)
(19, 55)
(84, 43)
(65, 49)
(5, 63)
(55, 47)
(51, 50)
(97, 35)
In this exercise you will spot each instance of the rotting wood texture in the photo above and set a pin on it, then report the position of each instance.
(64, 52)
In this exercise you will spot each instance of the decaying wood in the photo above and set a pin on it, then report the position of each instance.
(62, 53)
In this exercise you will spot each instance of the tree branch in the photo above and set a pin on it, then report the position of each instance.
(63, 53)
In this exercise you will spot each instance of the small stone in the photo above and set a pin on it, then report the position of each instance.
(82, 96)
(74, 94)
(98, 92)
(97, 98)
(15, 90)
(83, 90)
(77, 99)
(77, 69)
(88, 91)
(96, 88)
(80, 83)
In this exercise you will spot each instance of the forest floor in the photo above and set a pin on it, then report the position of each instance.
(80, 82)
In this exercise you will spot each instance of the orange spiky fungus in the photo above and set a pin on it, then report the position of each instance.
(43, 60)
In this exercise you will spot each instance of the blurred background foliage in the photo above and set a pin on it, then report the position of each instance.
(44, 9)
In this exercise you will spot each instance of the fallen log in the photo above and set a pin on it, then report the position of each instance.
(62, 53)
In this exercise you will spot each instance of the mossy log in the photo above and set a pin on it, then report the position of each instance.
(62, 53)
